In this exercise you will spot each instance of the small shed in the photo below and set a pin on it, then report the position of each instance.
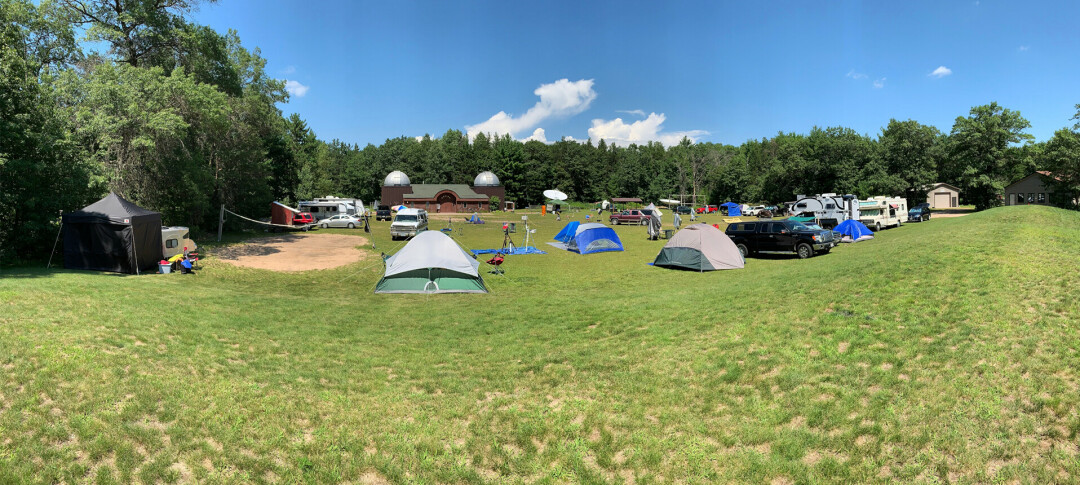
(943, 196)
(1032, 189)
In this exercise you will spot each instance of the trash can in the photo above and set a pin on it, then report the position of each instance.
(668, 233)
(164, 268)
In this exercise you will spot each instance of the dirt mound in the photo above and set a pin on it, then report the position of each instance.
(295, 252)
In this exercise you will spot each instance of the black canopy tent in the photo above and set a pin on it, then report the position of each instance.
(112, 234)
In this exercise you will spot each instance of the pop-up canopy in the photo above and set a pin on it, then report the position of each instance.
(112, 234)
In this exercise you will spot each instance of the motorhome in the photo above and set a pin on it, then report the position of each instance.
(881, 212)
(828, 210)
(174, 240)
(408, 223)
(330, 206)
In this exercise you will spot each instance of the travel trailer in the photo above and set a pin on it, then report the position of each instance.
(329, 206)
(881, 212)
(408, 223)
(174, 240)
(828, 210)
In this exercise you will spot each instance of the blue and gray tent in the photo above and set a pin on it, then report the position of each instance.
(854, 231)
(590, 238)
(733, 209)
(567, 233)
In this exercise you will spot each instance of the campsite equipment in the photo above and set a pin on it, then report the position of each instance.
(654, 210)
(854, 231)
(700, 247)
(654, 226)
(733, 209)
(497, 262)
(112, 234)
(591, 238)
(475, 219)
(555, 195)
(431, 263)
(567, 233)
(164, 267)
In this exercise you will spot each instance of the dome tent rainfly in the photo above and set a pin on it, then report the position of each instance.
(112, 234)
(700, 247)
(590, 238)
(431, 263)
(567, 233)
(853, 231)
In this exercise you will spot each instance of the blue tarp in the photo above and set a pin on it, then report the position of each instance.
(854, 229)
(733, 209)
(594, 238)
(567, 233)
(516, 250)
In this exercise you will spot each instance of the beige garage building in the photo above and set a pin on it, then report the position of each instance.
(942, 196)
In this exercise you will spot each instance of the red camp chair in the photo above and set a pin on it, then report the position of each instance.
(497, 262)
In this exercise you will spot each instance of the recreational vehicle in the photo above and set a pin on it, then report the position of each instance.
(329, 206)
(174, 240)
(408, 223)
(880, 212)
(828, 210)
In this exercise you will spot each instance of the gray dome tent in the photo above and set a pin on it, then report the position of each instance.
(700, 247)
(112, 234)
(431, 263)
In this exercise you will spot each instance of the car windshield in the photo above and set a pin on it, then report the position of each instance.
(405, 218)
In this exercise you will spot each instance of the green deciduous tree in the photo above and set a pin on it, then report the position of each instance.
(984, 153)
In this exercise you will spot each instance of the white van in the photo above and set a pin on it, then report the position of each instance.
(408, 223)
(173, 241)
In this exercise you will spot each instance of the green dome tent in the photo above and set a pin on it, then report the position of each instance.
(431, 263)
(700, 247)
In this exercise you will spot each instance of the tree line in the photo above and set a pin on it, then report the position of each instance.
(180, 118)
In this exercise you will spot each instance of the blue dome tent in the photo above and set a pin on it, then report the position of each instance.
(594, 238)
(567, 233)
(854, 231)
(733, 209)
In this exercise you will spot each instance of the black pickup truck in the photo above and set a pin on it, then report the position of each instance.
(780, 236)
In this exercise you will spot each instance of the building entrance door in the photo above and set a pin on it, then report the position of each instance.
(446, 202)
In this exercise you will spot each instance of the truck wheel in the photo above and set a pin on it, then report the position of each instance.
(877, 227)
(804, 251)
(350, 226)
(643, 222)
(743, 250)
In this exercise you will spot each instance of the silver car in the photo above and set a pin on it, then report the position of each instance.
(341, 220)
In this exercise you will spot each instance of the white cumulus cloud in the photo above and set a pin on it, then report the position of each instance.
(940, 72)
(296, 89)
(538, 135)
(855, 75)
(618, 132)
(879, 83)
(558, 99)
(637, 112)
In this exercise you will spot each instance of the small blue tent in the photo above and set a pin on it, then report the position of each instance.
(733, 209)
(594, 238)
(855, 230)
(567, 233)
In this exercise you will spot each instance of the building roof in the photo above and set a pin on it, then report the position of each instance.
(428, 191)
(486, 179)
(942, 184)
(1040, 174)
(396, 178)
(625, 199)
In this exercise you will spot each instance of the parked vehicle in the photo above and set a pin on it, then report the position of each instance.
(329, 206)
(919, 213)
(383, 213)
(286, 218)
(341, 220)
(881, 212)
(709, 209)
(827, 209)
(684, 209)
(174, 240)
(755, 210)
(303, 218)
(408, 223)
(631, 216)
(780, 236)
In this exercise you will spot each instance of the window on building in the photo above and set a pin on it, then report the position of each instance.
(1031, 197)
(1042, 197)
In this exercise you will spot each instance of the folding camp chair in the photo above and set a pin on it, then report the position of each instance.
(497, 262)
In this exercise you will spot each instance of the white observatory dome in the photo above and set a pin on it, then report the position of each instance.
(486, 179)
(396, 178)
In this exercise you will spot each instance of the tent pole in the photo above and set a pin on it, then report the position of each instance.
(134, 250)
(57, 240)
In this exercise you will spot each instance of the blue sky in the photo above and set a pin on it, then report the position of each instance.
(629, 71)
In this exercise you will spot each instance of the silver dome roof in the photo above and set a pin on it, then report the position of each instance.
(396, 178)
(486, 179)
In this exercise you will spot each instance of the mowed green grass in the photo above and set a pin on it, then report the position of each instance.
(944, 351)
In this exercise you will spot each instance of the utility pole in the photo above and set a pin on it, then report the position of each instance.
(221, 222)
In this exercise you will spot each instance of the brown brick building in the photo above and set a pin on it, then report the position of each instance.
(438, 198)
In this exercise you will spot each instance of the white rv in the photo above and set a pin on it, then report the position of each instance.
(329, 206)
(174, 240)
(880, 212)
(408, 223)
(828, 210)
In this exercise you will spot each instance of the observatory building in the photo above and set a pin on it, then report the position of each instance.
(397, 190)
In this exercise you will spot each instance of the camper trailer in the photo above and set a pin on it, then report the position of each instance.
(828, 210)
(329, 206)
(881, 212)
(174, 240)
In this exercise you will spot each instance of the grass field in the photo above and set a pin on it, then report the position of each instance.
(943, 351)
